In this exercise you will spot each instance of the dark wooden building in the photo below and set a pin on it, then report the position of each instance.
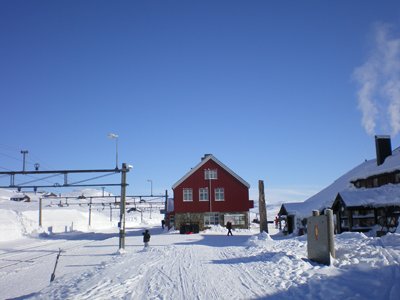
(20, 198)
(363, 209)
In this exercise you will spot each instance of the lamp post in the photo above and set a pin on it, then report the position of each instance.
(115, 136)
(24, 153)
(151, 186)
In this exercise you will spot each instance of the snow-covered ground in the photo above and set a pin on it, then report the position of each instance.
(209, 265)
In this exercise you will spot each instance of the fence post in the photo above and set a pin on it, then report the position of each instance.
(331, 232)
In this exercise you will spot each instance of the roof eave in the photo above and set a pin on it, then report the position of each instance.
(198, 166)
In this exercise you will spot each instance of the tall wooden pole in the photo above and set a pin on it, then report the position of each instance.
(262, 207)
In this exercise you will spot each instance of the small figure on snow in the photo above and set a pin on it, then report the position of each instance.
(146, 238)
(163, 223)
(229, 227)
(276, 222)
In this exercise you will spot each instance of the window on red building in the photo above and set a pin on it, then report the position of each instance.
(219, 194)
(210, 174)
(187, 195)
(203, 194)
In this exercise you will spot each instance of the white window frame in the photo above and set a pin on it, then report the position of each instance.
(212, 219)
(210, 174)
(235, 219)
(186, 193)
(219, 192)
(203, 194)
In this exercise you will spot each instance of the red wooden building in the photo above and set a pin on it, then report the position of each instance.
(194, 204)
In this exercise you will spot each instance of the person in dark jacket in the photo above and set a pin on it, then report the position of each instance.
(229, 227)
(146, 238)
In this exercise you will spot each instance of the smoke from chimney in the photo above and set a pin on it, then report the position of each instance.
(379, 83)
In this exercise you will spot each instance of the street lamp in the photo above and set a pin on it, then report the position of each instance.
(115, 136)
(24, 153)
(151, 186)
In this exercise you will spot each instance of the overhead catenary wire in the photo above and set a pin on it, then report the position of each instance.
(3, 176)
(40, 179)
(40, 165)
(43, 166)
(93, 178)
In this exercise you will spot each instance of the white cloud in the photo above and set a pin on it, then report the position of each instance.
(379, 84)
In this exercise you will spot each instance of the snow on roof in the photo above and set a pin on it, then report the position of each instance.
(292, 207)
(206, 159)
(19, 196)
(327, 196)
(377, 197)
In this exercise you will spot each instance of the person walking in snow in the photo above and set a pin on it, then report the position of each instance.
(146, 238)
(163, 223)
(229, 227)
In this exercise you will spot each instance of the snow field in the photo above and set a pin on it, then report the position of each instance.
(209, 265)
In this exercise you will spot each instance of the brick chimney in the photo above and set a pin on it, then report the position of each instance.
(205, 156)
(383, 148)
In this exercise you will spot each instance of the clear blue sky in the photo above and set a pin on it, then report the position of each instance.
(268, 87)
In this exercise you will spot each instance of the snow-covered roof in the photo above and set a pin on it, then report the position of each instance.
(327, 196)
(204, 161)
(291, 208)
(19, 196)
(370, 168)
(376, 197)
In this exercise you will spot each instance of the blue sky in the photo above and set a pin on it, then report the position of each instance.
(276, 90)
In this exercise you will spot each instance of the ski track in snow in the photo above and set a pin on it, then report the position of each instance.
(239, 267)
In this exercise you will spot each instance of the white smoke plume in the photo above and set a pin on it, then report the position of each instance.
(379, 83)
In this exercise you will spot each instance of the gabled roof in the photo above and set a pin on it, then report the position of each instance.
(370, 168)
(327, 196)
(203, 162)
(291, 208)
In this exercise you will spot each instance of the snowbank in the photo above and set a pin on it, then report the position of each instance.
(11, 226)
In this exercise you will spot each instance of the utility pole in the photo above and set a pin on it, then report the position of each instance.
(166, 205)
(122, 207)
(40, 212)
(262, 207)
(151, 186)
(24, 152)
